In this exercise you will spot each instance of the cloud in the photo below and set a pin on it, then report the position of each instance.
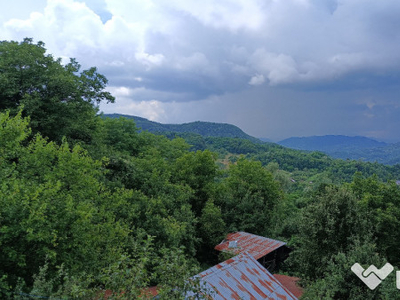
(150, 60)
(150, 109)
(224, 14)
(174, 53)
(257, 80)
(286, 42)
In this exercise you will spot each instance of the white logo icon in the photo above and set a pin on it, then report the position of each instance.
(372, 276)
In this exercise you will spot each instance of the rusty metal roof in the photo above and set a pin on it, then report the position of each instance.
(257, 246)
(290, 283)
(242, 277)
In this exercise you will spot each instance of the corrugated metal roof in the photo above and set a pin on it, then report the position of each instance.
(257, 246)
(242, 277)
(290, 283)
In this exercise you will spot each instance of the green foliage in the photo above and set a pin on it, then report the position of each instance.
(12, 132)
(249, 198)
(328, 226)
(57, 210)
(59, 100)
(197, 170)
(382, 201)
(53, 204)
(204, 129)
(121, 134)
(338, 282)
(89, 205)
(211, 230)
(212, 225)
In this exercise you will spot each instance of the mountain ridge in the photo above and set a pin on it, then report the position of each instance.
(331, 143)
(336, 146)
(348, 147)
(206, 129)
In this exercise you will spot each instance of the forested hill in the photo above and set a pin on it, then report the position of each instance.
(205, 129)
(345, 147)
(331, 143)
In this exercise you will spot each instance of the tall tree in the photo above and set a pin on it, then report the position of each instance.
(382, 201)
(53, 204)
(198, 171)
(249, 198)
(329, 225)
(60, 100)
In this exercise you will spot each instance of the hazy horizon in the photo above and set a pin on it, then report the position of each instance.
(261, 137)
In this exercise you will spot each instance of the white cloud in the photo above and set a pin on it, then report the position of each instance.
(150, 60)
(257, 79)
(120, 91)
(224, 14)
(278, 68)
(175, 51)
(284, 41)
(152, 110)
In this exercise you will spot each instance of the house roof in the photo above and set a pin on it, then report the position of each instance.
(257, 246)
(242, 277)
(290, 283)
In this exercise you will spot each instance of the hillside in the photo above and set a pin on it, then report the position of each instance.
(387, 155)
(346, 147)
(336, 146)
(205, 129)
(331, 143)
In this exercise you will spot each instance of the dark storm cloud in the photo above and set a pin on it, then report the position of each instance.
(308, 61)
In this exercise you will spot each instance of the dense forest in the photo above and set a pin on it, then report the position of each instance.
(206, 129)
(90, 204)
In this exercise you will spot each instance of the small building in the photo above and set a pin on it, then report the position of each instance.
(269, 253)
(241, 277)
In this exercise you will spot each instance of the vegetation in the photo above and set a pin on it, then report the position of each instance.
(91, 205)
(201, 128)
(344, 147)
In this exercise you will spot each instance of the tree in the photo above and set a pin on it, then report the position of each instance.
(53, 204)
(249, 197)
(198, 170)
(211, 230)
(60, 100)
(328, 225)
(382, 201)
(338, 282)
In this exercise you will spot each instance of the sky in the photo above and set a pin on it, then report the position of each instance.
(274, 68)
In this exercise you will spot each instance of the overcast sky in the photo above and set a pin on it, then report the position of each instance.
(275, 68)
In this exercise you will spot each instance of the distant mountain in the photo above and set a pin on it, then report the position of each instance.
(266, 140)
(346, 147)
(387, 155)
(331, 143)
(206, 129)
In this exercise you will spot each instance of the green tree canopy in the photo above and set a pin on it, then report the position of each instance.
(60, 100)
(249, 198)
(329, 225)
(382, 201)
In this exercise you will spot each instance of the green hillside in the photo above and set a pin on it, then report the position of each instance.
(331, 143)
(388, 155)
(345, 147)
(206, 129)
